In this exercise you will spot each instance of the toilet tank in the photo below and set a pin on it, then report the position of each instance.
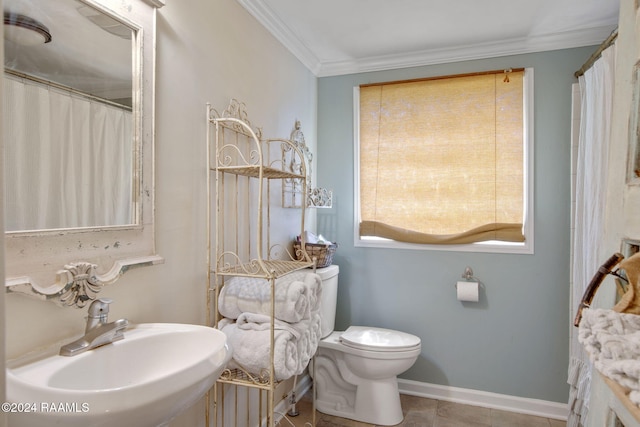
(329, 276)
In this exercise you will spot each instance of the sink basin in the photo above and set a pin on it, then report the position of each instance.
(146, 379)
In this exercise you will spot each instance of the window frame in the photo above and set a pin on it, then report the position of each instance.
(491, 247)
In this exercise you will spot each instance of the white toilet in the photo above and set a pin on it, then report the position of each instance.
(355, 371)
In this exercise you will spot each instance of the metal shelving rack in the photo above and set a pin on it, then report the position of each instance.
(239, 172)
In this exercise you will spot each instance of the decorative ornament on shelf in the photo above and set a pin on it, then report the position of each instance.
(293, 189)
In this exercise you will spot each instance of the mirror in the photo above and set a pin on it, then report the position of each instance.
(78, 148)
(69, 138)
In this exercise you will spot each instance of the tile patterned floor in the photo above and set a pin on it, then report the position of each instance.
(422, 412)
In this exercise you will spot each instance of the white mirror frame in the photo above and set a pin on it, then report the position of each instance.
(81, 261)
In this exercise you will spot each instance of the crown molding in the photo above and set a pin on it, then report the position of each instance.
(156, 3)
(539, 43)
(265, 16)
(549, 42)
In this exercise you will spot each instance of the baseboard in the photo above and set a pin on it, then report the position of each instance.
(304, 385)
(522, 405)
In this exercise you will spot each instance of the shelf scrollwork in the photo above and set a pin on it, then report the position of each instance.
(293, 194)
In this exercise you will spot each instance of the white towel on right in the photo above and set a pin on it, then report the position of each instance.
(612, 340)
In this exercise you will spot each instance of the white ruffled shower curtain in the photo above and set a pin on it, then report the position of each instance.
(596, 92)
(68, 159)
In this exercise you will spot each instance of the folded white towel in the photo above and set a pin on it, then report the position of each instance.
(612, 340)
(251, 350)
(262, 322)
(294, 343)
(296, 296)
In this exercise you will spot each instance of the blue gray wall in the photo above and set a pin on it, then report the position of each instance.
(515, 341)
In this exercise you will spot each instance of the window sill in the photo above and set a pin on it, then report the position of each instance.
(485, 247)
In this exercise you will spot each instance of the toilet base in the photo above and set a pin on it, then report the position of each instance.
(377, 402)
(370, 401)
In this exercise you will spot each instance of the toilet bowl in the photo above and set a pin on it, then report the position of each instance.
(355, 370)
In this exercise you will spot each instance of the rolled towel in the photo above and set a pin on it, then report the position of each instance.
(309, 339)
(244, 294)
(314, 283)
(224, 322)
(262, 322)
(305, 334)
(251, 350)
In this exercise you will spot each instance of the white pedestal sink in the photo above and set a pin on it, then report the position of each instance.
(146, 379)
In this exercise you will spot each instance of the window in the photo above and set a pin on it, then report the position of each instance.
(444, 161)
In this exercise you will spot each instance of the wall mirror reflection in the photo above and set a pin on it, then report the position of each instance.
(78, 100)
(69, 117)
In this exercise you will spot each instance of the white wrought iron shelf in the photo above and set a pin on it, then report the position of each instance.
(278, 268)
(253, 171)
(238, 376)
(234, 147)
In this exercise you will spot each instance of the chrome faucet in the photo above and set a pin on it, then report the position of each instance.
(98, 332)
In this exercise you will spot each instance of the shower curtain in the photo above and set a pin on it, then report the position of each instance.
(596, 94)
(68, 159)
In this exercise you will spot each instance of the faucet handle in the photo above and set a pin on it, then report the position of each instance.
(100, 308)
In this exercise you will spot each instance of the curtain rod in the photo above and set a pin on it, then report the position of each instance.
(594, 57)
(424, 79)
(19, 75)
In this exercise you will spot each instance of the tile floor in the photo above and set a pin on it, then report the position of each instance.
(422, 412)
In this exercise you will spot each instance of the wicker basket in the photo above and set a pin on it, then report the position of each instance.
(320, 251)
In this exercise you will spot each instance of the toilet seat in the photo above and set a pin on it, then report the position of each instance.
(378, 339)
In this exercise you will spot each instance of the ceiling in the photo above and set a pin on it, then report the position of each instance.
(333, 37)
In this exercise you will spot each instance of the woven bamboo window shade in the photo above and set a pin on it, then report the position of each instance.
(441, 160)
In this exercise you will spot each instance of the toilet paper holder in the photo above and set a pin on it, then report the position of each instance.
(469, 277)
(468, 274)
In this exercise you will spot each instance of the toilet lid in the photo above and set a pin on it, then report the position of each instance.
(379, 339)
